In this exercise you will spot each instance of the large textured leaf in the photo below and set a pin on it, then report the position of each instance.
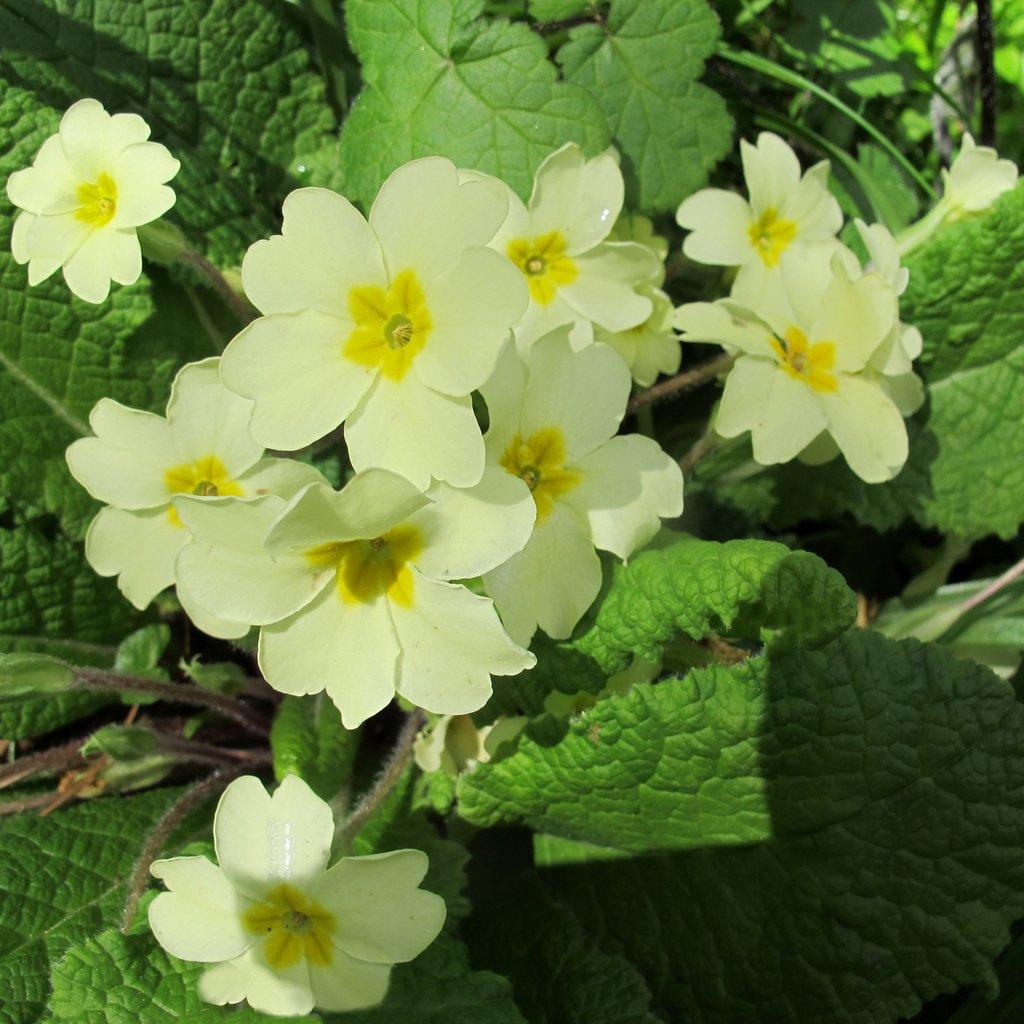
(965, 474)
(61, 880)
(480, 92)
(641, 64)
(871, 794)
(309, 740)
(228, 85)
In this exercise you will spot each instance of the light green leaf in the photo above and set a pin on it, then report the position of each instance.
(61, 880)
(308, 740)
(439, 81)
(856, 815)
(139, 653)
(27, 675)
(641, 64)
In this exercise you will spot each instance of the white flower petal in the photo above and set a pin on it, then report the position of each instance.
(976, 178)
(56, 237)
(747, 390)
(292, 367)
(283, 477)
(719, 224)
(325, 248)
(469, 531)
(551, 582)
(723, 322)
(281, 993)
(228, 571)
(263, 840)
(348, 649)
(906, 391)
(812, 207)
(416, 432)
(583, 393)
(473, 306)
(49, 185)
(629, 485)
(856, 316)
(539, 321)
(83, 137)
(381, 915)
(425, 217)
(125, 463)
(348, 983)
(772, 172)
(200, 917)
(206, 622)
(503, 392)
(789, 420)
(452, 643)
(606, 289)
(89, 270)
(578, 197)
(138, 547)
(208, 419)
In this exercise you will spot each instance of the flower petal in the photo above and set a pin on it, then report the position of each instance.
(551, 582)
(719, 224)
(812, 206)
(228, 571)
(138, 547)
(578, 197)
(283, 477)
(49, 185)
(381, 914)
(747, 390)
(629, 485)
(469, 531)
(605, 290)
(292, 367)
(325, 248)
(83, 137)
(208, 623)
(857, 316)
(731, 326)
(125, 463)
(348, 983)
(263, 840)
(788, 422)
(583, 394)
(416, 432)
(426, 217)
(200, 917)
(282, 993)
(452, 643)
(473, 306)
(503, 392)
(772, 172)
(348, 649)
(539, 321)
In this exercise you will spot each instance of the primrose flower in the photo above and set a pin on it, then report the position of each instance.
(650, 348)
(354, 588)
(802, 353)
(559, 244)
(552, 427)
(138, 461)
(635, 227)
(281, 929)
(88, 189)
(786, 213)
(453, 743)
(387, 325)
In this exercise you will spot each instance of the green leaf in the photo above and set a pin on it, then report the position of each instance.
(140, 652)
(441, 81)
(230, 88)
(308, 740)
(870, 799)
(122, 742)
(52, 603)
(965, 474)
(641, 64)
(61, 880)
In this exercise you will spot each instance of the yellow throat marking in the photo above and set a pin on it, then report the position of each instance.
(293, 926)
(368, 568)
(544, 264)
(810, 362)
(207, 476)
(98, 201)
(392, 325)
(771, 236)
(539, 460)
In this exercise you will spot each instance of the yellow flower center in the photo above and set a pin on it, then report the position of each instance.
(368, 568)
(392, 325)
(809, 362)
(771, 236)
(539, 461)
(207, 476)
(98, 201)
(293, 926)
(544, 264)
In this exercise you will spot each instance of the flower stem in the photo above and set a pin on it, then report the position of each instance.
(236, 303)
(55, 760)
(681, 382)
(994, 587)
(390, 774)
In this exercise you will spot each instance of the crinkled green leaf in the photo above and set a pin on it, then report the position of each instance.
(51, 602)
(965, 474)
(441, 81)
(879, 790)
(230, 88)
(308, 740)
(641, 64)
(61, 880)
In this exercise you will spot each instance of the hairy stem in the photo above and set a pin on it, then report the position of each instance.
(704, 445)
(197, 795)
(55, 760)
(681, 382)
(390, 774)
(235, 302)
(1011, 574)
